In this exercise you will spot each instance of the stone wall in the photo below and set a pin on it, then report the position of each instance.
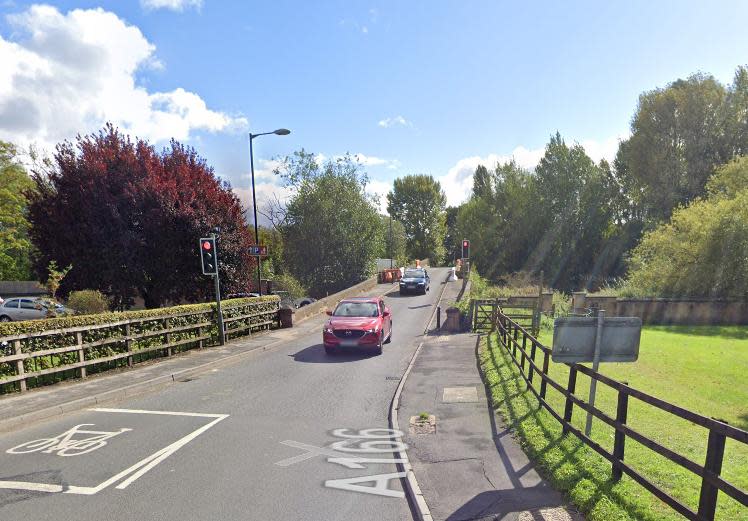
(686, 311)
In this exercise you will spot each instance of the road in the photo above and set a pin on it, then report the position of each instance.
(245, 441)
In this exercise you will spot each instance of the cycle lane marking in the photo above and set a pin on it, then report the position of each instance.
(137, 470)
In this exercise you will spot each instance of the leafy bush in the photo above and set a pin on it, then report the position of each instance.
(88, 302)
(287, 282)
(702, 251)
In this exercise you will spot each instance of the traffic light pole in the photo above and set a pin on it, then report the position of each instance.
(221, 333)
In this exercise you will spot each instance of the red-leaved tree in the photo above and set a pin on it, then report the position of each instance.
(128, 220)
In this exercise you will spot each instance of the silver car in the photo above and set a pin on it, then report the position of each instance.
(22, 309)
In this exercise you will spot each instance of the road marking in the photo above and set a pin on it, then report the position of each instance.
(169, 450)
(369, 441)
(35, 487)
(311, 452)
(64, 444)
(135, 471)
(164, 413)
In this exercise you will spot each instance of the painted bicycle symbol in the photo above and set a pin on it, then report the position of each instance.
(65, 445)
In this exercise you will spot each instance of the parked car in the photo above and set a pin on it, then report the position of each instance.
(415, 280)
(305, 301)
(241, 295)
(27, 308)
(358, 323)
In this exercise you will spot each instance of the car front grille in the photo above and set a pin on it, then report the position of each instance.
(348, 333)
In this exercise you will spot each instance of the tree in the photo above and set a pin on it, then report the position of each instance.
(128, 218)
(452, 238)
(703, 250)
(394, 243)
(482, 183)
(16, 251)
(331, 229)
(573, 198)
(676, 142)
(418, 202)
(54, 278)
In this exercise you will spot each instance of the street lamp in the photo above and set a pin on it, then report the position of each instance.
(279, 132)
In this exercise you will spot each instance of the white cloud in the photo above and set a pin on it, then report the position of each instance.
(380, 189)
(174, 5)
(458, 182)
(395, 121)
(391, 164)
(70, 73)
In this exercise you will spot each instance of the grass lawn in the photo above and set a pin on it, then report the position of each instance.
(704, 369)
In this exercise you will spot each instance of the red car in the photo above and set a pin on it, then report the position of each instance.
(362, 322)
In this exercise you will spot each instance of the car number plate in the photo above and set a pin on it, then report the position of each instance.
(348, 343)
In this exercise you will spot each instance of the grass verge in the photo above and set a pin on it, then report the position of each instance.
(582, 474)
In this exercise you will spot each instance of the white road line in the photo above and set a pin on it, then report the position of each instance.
(139, 469)
(165, 413)
(311, 451)
(26, 485)
(169, 450)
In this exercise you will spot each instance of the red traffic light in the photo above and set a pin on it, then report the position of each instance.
(207, 245)
(465, 244)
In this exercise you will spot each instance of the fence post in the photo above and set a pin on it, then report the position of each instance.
(168, 337)
(715, 451)
(569, 409)
(20, 370)
(531, 371)
(128, 345)
(619, 442)
(524, 346)
(514, 343)
(545, 373)
(81, 354)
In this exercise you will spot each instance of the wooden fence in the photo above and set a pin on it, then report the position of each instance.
(524, 349)
(39, 358)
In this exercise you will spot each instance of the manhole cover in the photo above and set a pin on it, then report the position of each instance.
(460, 395)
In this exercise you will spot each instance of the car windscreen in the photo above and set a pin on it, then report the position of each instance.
(418, 274)
(356, 309)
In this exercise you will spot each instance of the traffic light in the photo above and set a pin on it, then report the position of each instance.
(465, 249)
(208, 256)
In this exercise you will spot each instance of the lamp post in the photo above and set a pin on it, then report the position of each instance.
(279, 132)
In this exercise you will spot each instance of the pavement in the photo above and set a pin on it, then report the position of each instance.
(471, 467)
(269, 427)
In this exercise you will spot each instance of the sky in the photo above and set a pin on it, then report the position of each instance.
(418, 87)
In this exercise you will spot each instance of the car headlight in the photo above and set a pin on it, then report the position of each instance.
(328, 329)
(372, 330)
(421, 283)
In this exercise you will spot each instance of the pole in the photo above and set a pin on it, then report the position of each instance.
(221, 333)
(595, 367)
(390, 242)
(254, 207)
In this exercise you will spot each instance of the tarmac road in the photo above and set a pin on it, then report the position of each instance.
(247, 441)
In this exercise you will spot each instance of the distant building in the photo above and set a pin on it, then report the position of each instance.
(21, 288)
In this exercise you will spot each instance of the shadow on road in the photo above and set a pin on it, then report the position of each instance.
(316, 355)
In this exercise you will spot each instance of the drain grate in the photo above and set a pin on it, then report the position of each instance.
(392, 378)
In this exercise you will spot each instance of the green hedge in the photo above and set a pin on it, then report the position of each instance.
(153, 320)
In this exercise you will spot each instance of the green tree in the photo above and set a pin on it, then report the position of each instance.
(452, 239)
(574, 198)
(677, 139)
(394, 242)
(482, 183)
(15, 256)
(703, 250)
(332, 231)
(419, 203)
